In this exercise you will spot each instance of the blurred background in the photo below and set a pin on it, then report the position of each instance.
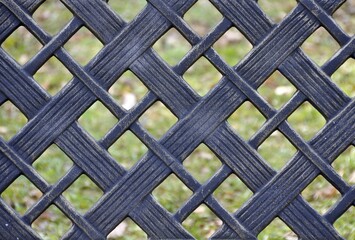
(52, 16)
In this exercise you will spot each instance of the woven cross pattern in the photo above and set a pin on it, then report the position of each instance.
(128, 46)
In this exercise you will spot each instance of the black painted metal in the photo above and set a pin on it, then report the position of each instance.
(128, 46)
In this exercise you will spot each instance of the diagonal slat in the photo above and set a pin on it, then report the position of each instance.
(200, 119)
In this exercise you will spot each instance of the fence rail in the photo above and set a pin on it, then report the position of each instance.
(200, 119)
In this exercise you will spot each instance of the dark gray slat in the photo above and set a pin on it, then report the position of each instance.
(318, 232)
(144, 66)
(141, 217)
(240, 157)
(106, 25)
(299, 172)
(214, 58)
(106, 168)
(150, 213)
(341, 206)
(174, 92)
(8, 22)
(315, 84)
(12, 227)
(50, 47)
(313, 88)
(25, 79)
(201, 46)
(125, 40)
(343, 97)
(149, 61)
(277, 45)
(106, 176)
(77, 103)
(3, 98)
(126, 120)
(340, 57)
(330, 5)
(148, 200)
(102, 174)
(150, 171)
(28, 101)
(44, 187)
(200, 192)
(50, 195)
(103, 169)
(57, 113)
(327, 21)
(30, 5)
(272, 123)
(184, 235)
(247, 164)
(252, 22)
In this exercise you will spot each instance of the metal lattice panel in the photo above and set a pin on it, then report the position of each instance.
(201, 119)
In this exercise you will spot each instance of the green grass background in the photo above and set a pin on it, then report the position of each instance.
(202, 163)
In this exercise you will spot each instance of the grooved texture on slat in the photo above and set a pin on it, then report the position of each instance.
(200, 119)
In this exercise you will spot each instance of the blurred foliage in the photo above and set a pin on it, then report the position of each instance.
(202, 163)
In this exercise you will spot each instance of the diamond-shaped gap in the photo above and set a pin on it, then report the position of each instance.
(202, 163)
(172, 47)
(345, 17)
(202, 76)
(232, 46)
(128, 90)
(97, 120)
(202, 25)
(246, 120)
(83, 46)
(277, 9)
(21, 194)
(320, 46)
(345, 225)
(52, 223)
(53, 76)
(202, 223)
(320, 194)
(172, 193)
(344, 77)
(277, 150)
(125, 229)
(277, 229)
(277, 90)
(306, 120)
(127, 10)
(344, 164)
(21, 45)
(52, 16)
(83, 194)
(53, 164)
(158, 119)
(232, 193)
(128, 149)
(11, 120)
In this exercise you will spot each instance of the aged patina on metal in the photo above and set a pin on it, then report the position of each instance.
(128, 46)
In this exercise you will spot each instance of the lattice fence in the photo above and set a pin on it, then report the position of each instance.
(200, 119)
